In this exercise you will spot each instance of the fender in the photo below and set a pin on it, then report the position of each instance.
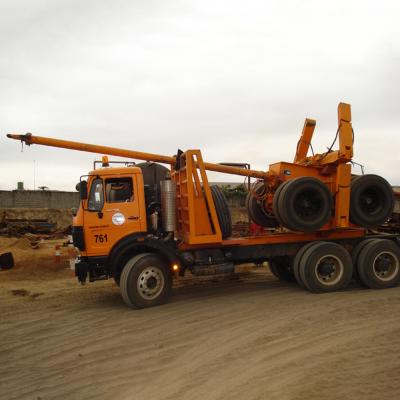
(136, 243)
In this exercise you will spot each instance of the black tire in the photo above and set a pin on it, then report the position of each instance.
(275, 201)
(256, 210)
(379, 264)
(223, 212)
(145, 281)
(371, 201)
(355, 254)
(296, 263)
(305, 204)
(326, 267)
(282, 268)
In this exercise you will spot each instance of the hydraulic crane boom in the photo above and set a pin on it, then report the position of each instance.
(92, 148)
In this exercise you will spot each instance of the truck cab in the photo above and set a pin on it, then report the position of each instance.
(112, 208)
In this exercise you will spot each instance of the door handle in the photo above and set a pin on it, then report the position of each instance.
(135, 217)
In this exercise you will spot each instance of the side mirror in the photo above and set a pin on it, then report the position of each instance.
(82, 189)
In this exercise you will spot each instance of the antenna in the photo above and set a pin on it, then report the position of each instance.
(34, 174)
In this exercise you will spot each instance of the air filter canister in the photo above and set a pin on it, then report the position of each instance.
(168, 205)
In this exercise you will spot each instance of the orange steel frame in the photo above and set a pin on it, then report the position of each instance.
(281, 238)
(197, 218)
(197, 221)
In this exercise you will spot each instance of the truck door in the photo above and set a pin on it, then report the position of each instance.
(113, 212)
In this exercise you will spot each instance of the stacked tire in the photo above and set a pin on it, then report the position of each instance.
(223, 212)
(371, 201)
(255, 208)
(303, 204)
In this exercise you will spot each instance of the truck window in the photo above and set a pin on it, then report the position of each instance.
(96, 196)
(119, 190)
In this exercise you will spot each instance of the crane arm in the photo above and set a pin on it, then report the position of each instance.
(114, 151)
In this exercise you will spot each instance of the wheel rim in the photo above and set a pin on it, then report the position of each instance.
(370, 201)
(386, 266)
(150, 283)
(308, 204)
(329, 270)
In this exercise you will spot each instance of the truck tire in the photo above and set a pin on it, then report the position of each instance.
(145, 281)
(355, 254)
(223, 212)
(371, 200)
(282, 268)
(275, 202)
(326, 267)
(304, 204)
(379, 264)
(256, 211)
(296, 263)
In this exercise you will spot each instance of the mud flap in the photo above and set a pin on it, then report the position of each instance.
(81, 271)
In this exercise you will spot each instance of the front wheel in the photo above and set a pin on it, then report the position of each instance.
(145, 281)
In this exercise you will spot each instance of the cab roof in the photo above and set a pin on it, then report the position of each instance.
(105, 171)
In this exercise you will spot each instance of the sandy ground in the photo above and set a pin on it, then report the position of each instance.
(243, 337)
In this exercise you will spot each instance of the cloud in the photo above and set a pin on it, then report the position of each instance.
(235, 80)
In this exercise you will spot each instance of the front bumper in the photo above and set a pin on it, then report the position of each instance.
(92, 267)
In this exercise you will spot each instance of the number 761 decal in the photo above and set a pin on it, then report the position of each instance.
(101, 238)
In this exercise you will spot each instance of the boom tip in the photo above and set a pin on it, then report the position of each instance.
(24, 138)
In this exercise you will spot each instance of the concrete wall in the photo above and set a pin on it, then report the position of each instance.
(38, 199)
(60, 217)
(66, 200)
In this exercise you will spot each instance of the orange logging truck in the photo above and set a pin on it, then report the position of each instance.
(144, 224)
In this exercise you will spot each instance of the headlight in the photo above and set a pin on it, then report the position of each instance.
(118, 219)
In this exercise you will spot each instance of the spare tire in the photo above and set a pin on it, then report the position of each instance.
(275, 201)
(256, 210)
(223, 212)
(304, 204)
(371, 200)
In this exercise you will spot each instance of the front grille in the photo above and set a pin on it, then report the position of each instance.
(77, 237)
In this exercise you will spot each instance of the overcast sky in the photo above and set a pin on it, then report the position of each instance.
(233, 78)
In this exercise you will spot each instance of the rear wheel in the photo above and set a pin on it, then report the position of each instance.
(282, 268)
(296, 263)
(145, 281)
(326, 267)
(379, 264)
(355, 254)
(371, 200)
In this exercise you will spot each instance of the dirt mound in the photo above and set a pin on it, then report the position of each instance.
(33, 257)
(21, 244)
